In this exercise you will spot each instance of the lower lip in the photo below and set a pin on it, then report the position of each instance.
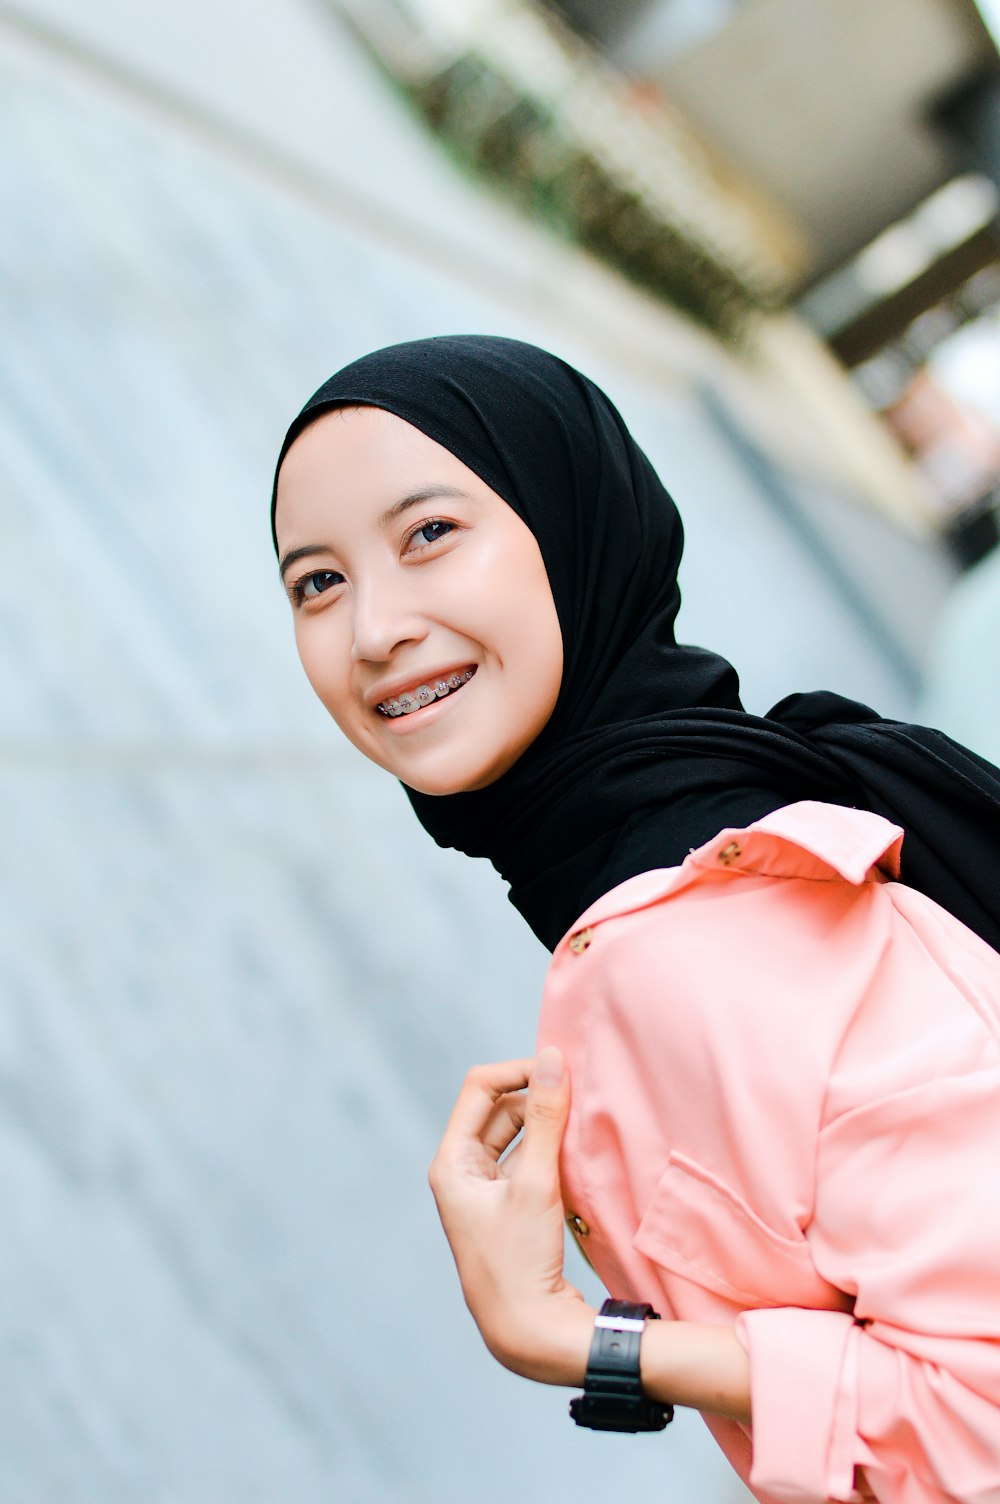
(400, 725)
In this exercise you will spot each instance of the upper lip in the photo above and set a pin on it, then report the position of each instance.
(391, 689)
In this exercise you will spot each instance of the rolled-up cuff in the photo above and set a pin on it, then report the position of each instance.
(804, 1396)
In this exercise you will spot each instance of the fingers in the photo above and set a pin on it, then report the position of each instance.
(484, 1115)
(481, 1090)
(492, 1107)
(545, 1113)
(505, 1123)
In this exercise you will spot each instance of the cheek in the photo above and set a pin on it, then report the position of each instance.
(532, 647)
(327, 663)
(544, 652)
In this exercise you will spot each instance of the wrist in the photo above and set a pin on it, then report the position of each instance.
(702, 1366)
(548, 1341)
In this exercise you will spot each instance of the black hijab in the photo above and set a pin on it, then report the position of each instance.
(649, 751)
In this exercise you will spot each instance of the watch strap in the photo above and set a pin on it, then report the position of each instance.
(612, 1398)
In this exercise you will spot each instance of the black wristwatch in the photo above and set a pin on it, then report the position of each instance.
(612, 1398)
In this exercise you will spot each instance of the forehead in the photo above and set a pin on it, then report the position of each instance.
(353, 456)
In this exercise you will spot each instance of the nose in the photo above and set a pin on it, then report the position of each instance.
(385, 619)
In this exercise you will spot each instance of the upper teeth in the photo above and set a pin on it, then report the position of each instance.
(416, 699)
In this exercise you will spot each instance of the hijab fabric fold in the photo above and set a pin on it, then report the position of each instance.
(649, 750)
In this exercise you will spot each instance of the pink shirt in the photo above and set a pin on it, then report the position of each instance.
(786, 1118)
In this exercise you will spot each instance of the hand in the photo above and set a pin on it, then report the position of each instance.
(503, 1217)
(504, 1220)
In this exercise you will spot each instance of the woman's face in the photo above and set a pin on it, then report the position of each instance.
(423, 613)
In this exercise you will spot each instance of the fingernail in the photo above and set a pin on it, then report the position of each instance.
(549, 1067)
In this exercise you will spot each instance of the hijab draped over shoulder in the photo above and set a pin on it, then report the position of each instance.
(649, 751)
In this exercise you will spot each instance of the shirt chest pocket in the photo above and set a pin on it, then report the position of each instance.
(697, 1227)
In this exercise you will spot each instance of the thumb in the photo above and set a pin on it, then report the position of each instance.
(546, 1109)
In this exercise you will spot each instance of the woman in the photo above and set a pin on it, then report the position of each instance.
(785, 1066)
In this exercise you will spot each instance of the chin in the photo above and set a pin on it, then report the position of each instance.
(440, 788)
(440, 785)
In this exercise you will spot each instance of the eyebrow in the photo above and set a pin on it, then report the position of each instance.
(389, 516)
(295, 554)
(414, 498)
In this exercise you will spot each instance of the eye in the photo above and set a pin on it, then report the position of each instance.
(317, 583)
(429, 532)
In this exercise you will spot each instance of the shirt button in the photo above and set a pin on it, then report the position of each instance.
(578, 943)
(577, 1225)
(729, 853)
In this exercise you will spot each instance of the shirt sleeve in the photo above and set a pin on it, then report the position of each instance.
(907, 1220)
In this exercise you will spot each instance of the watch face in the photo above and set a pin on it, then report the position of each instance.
(618, 1413)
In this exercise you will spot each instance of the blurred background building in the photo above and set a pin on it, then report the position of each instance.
(240, 987)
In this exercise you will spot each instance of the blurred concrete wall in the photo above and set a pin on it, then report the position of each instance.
(961, 691)
(239, 986)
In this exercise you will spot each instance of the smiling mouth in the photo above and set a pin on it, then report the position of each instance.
(424, 694)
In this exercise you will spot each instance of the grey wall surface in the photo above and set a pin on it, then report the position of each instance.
(961, 691)
(239, 987)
